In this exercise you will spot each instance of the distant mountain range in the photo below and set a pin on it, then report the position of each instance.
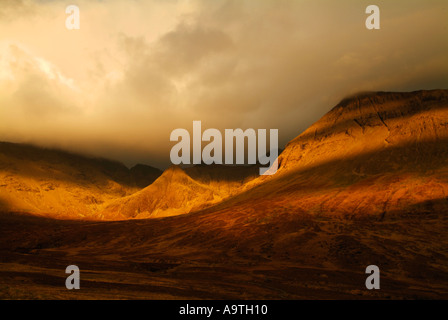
(374, 153)
(63, 185)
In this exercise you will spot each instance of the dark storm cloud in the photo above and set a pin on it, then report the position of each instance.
(154, 66)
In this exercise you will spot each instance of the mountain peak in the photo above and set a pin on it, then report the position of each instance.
(367, 122)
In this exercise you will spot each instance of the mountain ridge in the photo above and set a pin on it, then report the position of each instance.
(365, 139)
(352, 170)
(343, 198)
(61, 184)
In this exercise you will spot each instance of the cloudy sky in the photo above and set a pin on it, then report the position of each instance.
(138, 69)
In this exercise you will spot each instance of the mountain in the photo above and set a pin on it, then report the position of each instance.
(375, 153)
(370, 123)
(365, 185)
(63, 185)
(180, 191)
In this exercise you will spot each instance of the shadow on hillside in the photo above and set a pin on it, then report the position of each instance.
(421, 158)
(55, 162)
(418, 103)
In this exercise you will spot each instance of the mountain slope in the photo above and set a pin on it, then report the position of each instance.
(60, 184)
(344, 198)
(371, 122)
(372, 153)
(179, 191)
(375, 153)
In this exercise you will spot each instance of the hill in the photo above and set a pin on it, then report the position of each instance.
(180, 191)
(376, 153)
(366, 184)
(59, 184)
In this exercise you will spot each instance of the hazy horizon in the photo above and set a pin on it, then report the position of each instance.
(137, 70)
